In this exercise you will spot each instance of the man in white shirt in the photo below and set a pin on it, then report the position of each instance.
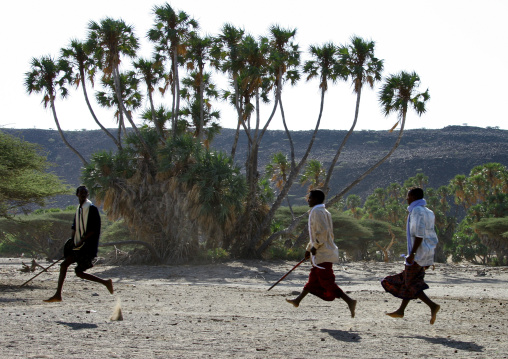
(323, 251)
(421, 245)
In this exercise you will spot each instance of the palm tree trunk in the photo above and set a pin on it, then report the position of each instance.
(201, 109)
(239, 115)
(337, 197)
(235, 141)
(62, 134)
(339, 151)
(116, 79)
(177, 88)
(83, 85)
(158, 127)
(293, 174)
(288, 134)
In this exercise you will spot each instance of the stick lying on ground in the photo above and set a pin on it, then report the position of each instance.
(285, 275)
(43, 270)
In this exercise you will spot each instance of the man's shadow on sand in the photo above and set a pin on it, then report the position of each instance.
(78, 326)
(456, 344)
(344, 336)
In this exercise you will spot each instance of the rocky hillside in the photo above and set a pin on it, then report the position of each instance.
(440, 154)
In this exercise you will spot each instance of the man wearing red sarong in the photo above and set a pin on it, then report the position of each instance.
(421, 244)
(323, 253)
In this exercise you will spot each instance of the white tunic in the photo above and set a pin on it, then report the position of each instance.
(421, 224)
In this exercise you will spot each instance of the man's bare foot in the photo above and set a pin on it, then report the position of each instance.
(55, 298)
(352, 307)
(396, 314)
(109, 285)
(433, 313)
(294, 302)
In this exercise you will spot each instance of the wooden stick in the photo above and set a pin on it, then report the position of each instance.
(285, 275)
(42, 271)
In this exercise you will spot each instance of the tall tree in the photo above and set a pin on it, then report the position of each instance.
(109, 40)
(83, 67)
(170, 33)
(198, 91)
(398, 94)
(131, 98)
(358, 63)
(48, 77)
(225, 54)
(198, 54)
(151, 72)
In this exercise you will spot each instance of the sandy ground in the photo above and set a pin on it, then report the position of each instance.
(225, 311)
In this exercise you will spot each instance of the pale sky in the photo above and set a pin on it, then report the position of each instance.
(459, 49)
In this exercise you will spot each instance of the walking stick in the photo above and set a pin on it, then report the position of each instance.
(44, 270)
(285, 275)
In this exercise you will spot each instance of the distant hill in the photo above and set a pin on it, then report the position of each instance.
(440, 154)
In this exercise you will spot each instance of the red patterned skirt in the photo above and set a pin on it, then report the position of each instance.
(408, 284)
(322, 284)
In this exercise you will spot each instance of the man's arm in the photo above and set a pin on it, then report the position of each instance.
(418, 242)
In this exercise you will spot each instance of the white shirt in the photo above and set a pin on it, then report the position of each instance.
(321, 235)
(421, 224)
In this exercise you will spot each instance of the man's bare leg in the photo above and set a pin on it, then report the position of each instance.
(399, 313)
(61, 278)
(434, 308)
(351, 303)
(107, 283)
(297, 300)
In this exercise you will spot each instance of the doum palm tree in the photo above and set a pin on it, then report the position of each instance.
(109, 40)
(357, 62)
(398, 94)
(82, 66)
(48, 77)
(170, 33)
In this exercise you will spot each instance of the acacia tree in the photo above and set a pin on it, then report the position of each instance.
(24, 179)
(48, 77)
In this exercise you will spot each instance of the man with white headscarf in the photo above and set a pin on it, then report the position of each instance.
(421, 245)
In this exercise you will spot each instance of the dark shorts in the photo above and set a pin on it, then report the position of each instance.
(408, 284)
(83, 257)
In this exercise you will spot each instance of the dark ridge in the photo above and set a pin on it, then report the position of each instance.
(440, 154)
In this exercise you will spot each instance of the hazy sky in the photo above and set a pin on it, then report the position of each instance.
(459, 49)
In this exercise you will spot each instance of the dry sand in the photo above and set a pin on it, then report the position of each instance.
(225, 311)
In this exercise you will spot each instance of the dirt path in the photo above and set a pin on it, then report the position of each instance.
(225, 311)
